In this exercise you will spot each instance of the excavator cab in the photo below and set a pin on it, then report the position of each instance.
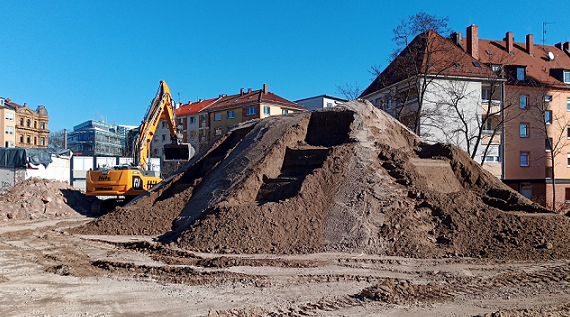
(178, 152)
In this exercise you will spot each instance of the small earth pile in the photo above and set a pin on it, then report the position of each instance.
(348, 178)
(37, 198)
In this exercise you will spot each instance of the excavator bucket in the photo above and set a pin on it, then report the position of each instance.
(178, 152)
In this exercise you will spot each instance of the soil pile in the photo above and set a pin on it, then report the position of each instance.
(38, 198)
(348, 178)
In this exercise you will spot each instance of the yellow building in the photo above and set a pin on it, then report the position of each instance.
(29, 127)
(247, 105)
(8, 119)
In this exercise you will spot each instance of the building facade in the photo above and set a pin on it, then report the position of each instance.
(192, 119)
(206, 120)
(322, 101)
(247, 105)
(97, 138)
(24, 127)
(8, 127)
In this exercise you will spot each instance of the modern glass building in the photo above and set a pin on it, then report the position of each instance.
(96, 138)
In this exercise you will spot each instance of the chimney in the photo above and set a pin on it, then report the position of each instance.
(248, 90)
(242, 91)
(264, 88)
(457, 38)
(510, 42)
(530, 44)
(473, 41)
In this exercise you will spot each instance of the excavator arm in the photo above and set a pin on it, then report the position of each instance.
(162, 103)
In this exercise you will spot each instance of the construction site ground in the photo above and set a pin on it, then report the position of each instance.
(45, 271)
(336, 212)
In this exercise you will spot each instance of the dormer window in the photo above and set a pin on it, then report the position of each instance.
(566, 76)
(521, 73)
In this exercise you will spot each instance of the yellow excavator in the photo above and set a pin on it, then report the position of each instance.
(125, 182)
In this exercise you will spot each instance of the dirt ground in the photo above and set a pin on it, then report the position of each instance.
(339, 212)
(45, 271)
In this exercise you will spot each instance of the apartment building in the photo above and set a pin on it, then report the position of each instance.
(204, 121)
(7, 117)
(515, 96)
(247, 105)
(24, 127)
(192, 118)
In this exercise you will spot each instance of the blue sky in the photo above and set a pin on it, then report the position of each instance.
(87, 59)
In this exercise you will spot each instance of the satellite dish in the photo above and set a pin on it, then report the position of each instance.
(550, 56)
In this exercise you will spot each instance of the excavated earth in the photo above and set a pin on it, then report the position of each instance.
(335, 212)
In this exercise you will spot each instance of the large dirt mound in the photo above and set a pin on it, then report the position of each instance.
(348, 178)
(38, 198)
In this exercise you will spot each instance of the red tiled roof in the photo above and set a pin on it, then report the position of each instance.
(538, 67)
(192, 107)
(253, 97)
(445, 58)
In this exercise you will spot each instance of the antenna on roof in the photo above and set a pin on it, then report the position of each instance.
(544, 31)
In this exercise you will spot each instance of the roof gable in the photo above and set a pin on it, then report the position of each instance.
(429, 53)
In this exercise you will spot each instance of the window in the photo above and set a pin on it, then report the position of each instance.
(22, 120)
(251, 111)
(389, 103)
(567, 195)
(21, 138)
(548, 144)
(203, 118)
(520, 73)
(488, 125)
(568, 104)
(164, 137)
(266, 110)
(9, 116)
(10, 130)
(284, 111)
(524, 158)
(495, 68)
(567, 76)
(524, 132)
(35, 140)
(35, 124)
(28, 139)
(218, 131)
(485, 94)
(231, 114)
(28, 124)
(217, 116)
(523, 101)
(163, 124)
(548, 116)
(42, 141)
(548, 98)
(329, 104)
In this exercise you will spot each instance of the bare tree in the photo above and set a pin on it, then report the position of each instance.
(349, 91)
(56, 139)
(421, 61)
